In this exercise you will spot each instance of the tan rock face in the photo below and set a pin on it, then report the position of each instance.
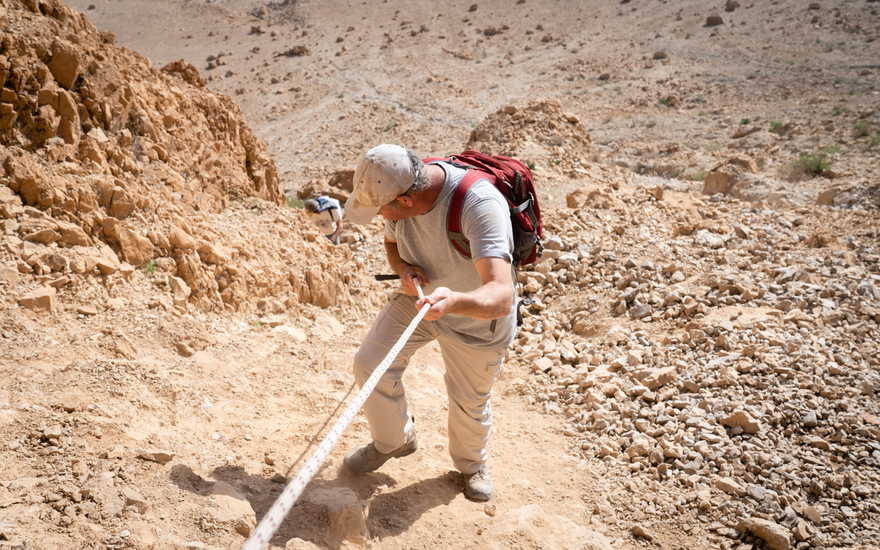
(109, 149)
(65, 63)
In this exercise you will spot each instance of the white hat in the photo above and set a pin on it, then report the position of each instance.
(384, 173)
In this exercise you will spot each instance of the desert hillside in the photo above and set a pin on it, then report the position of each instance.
(698, 367)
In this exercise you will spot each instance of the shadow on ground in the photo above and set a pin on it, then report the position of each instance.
(390, 513)
(393, 513)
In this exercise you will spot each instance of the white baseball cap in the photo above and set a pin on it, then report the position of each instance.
(384, 173)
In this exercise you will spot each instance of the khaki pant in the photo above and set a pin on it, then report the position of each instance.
(470, 373)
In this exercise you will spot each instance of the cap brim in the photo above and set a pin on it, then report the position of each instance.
(358, 214)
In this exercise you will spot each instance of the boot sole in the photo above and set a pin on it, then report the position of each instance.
(480, 497)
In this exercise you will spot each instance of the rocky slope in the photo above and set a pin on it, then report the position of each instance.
(111, 164)
(723, 349)
(698, 364)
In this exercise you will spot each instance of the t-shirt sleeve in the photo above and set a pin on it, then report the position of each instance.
(485, 222)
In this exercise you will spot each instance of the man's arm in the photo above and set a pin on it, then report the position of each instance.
(407, 271)
(491, 300)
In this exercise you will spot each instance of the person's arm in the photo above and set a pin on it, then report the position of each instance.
(407, 271)
(491, 300)
(337, 217)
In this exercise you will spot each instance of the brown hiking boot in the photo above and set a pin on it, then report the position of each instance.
(368, 459)
(478, 485)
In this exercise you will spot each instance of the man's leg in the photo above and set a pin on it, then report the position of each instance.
(470, 373)
(386, 408)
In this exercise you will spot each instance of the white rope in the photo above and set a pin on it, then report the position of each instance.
(270, 523)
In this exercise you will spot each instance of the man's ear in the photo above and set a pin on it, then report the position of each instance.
(405, 201)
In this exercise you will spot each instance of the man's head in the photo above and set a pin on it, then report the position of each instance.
(385, 180)
(311, 205)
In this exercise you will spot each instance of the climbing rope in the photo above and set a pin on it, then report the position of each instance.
(270, 523)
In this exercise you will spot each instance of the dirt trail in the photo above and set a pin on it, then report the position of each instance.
(414, 502)
(261, 395)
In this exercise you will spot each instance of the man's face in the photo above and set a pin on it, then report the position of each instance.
(401, 207)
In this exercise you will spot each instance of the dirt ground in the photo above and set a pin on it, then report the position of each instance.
(133, 424)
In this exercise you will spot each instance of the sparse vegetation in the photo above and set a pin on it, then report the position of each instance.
(149, 266)
(809, 165)
(744, 120)
(698, 175)
(293, 202)
(861, 129)
(777, 127)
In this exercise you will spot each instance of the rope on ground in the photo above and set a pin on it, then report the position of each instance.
(270, 523)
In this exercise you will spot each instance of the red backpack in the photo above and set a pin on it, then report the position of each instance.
(514, 180)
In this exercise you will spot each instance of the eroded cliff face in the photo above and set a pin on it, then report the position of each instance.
(109, 164)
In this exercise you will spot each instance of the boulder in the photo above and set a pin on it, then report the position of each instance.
(178, 238)
(8, 275)
(64, 64)
(774, 535)
(107, 262)
(232, 508)
(656, 378)
(212, 254)
(73, 235)
(180, 291)
(135, 499)
(101, 488)
(120, 204)
(827, 196)
(136, 249)
(69, 127)
(156, 455)
(42, 299)
(346, 514)
(724, 176)
(743, 421)
(729, 486)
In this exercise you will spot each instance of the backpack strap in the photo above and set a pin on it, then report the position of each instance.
(456, 205)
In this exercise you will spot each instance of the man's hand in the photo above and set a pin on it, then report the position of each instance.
(491, 300)
(409, 274)
(441, 301)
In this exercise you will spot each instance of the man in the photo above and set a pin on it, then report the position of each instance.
(326, 214)
(471, 315)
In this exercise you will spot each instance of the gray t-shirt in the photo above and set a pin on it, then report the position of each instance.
(423, 241)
